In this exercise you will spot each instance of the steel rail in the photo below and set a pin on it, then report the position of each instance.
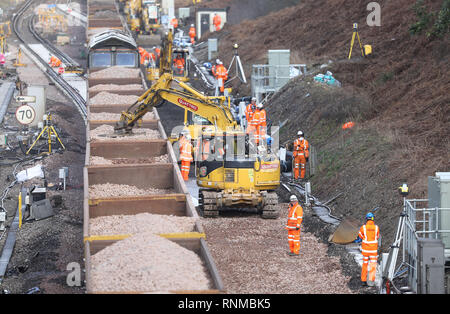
(70, 91)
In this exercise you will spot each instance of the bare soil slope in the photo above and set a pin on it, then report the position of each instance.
(398, 98)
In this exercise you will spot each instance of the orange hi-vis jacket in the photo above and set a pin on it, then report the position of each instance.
(205, 145)
(220, 71)
(186, 151)
(301, 148)
(179, 63)
(262, 124)
(216, 21)
(369, 234)
(174, 22)
(262, 117)
(249, 113)
(192, 33)
(254, 122)
(295, 216)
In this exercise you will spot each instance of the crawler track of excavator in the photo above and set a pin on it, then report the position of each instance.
(208, 203)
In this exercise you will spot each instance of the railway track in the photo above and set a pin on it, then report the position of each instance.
(18, 22)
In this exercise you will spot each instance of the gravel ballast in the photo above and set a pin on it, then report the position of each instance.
(105, 132)
(103, 87)
(106, 98)
(117, 190)
(116, 72)
(140, 223)
(251, 256)
(96, 160)
(145, 263)
(107, 116)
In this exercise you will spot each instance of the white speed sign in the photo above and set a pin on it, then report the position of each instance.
(25, 114)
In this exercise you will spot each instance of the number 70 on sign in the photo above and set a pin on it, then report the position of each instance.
(25, 114)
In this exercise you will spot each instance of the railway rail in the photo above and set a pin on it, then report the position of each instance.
(59, 81)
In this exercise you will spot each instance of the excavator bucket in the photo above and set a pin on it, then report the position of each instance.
(346, 232)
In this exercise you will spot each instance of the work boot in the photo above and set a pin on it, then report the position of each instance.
(292, 254)
(364, 283)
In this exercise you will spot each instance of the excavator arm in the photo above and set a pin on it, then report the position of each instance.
(214, 109)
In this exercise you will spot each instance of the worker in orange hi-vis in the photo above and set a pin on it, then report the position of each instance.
(186, 157)
(295, 218)
(192, 33)
(301, 155)
(369, 234)
(174, 23)
(141, 54)
(256, 122)
(221, 74)
(262, 123)
(249, 110)
(178, 65)
(217, 21)
(203, 147)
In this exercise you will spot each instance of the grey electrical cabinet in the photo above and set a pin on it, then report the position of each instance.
(431, 266)
(439, 197)
(279, 70)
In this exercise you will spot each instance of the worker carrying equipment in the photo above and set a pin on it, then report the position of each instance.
(295, 218)
(192, 33)
(369, 234)
(186, 157)
(301, 155)
(221, 74)
(217, 21)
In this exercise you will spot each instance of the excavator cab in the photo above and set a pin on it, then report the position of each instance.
(180, 64)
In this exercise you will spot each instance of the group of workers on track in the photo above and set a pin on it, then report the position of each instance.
(256, 128)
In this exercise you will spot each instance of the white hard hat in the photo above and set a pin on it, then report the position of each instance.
(188, 136)
(300, 133)
(260, 105)
(293, 198)
(253, 98)
(192, 25)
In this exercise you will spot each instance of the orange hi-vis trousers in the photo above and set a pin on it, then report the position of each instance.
(294, 241)
(185, 165)
(299, 166)
(369, 265)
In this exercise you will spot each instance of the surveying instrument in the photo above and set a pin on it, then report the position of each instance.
(19, 56)
(50, 132)
(389, 270)
(366, 50)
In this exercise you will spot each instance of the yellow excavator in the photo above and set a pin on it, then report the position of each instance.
(243, 175)
(237, 178)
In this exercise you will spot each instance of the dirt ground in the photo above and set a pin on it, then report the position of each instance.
(44, 248)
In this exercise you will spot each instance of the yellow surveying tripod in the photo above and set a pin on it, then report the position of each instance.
(50, 131)
(355, 34)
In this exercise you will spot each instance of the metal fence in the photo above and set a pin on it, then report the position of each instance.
(421, 222)
(269, 78)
